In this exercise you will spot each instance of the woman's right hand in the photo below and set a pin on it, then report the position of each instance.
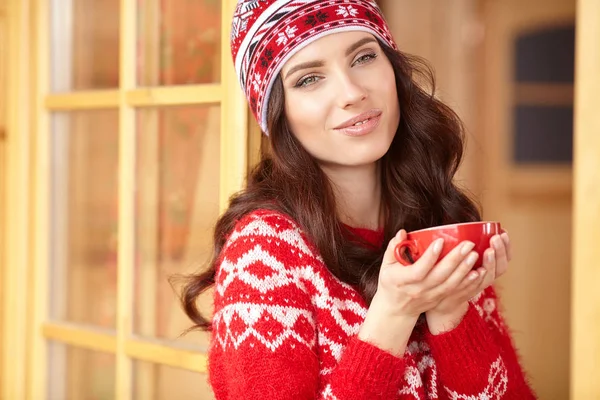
(415, 289)
(405, 292)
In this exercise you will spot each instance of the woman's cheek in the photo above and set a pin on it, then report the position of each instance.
(315, 102)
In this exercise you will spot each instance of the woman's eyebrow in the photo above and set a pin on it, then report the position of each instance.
(306, 65)
(358, 44)
(319, 63)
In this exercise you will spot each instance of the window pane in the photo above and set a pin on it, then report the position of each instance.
(84, 44)
(177, 206)
(162, 382)
(543, 134)
(76, 373)
(179, 42)
(546, 56)
(83, 217)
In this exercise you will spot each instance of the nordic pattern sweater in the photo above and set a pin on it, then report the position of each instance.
(285, 328)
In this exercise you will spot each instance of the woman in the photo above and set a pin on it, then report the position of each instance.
(309, 299)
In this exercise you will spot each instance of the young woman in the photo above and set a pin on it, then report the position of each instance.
(309, 299)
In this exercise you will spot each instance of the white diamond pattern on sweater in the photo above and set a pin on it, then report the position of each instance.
(258, 227)
(281, 275)
(250, 314)
(274, 295)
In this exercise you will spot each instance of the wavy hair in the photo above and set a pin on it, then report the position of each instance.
(418, 188)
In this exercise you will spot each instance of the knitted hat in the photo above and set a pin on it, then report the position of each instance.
(266, 33)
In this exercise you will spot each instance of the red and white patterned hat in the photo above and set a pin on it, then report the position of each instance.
(266, 33)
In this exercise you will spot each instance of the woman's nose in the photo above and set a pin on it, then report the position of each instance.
(351, 91)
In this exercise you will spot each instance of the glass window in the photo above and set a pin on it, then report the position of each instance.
(83, 217)
(179, 42)
(84, 44)
(177, 206)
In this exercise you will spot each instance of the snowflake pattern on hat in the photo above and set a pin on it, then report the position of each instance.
(266, 33)
(244, 10)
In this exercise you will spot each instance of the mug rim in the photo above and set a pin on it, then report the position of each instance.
(441, 227)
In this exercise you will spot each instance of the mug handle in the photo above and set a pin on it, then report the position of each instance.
(400, 249)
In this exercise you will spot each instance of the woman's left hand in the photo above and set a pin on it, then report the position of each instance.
(451, 310)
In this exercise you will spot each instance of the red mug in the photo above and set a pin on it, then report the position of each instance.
(417, 242)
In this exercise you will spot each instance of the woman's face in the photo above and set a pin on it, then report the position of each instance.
(340, 99)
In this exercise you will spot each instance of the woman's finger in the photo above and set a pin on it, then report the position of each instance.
(421, 269)
(468, 288)
(507, 245)
(389, 256)
(450, 264)
(500, 249)
(463, 276)
(418, 271)
(489, 263)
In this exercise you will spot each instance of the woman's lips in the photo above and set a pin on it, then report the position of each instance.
(365, 127)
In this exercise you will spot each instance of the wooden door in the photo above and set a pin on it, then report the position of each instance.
(526, 128)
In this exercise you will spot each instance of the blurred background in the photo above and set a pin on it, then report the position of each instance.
(123, 132)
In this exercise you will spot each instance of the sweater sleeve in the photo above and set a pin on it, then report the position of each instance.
(482, 349)
(264, 342)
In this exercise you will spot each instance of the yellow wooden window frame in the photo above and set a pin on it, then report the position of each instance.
(24, 364)
(23, 329)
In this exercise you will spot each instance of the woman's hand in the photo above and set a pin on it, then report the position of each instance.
(415, 289)
(448, 313)
(404, 293)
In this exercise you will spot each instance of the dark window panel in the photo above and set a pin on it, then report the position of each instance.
(546, 56)
(543, 134)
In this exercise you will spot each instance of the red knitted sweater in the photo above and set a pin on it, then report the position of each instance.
(285, 328)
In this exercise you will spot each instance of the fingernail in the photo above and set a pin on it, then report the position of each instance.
(473, 275)
(437, 247)
(472, 258)
(497, 242)
(467, 247)
(491, 256)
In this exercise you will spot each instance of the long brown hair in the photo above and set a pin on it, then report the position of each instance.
(417, 174)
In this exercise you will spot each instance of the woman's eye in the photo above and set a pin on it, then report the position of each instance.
(309, 80)
(366, 58)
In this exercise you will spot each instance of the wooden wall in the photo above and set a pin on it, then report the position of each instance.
(470, 44)
(3, 61)
(585, 344)
(532, 200)
(449, 36)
